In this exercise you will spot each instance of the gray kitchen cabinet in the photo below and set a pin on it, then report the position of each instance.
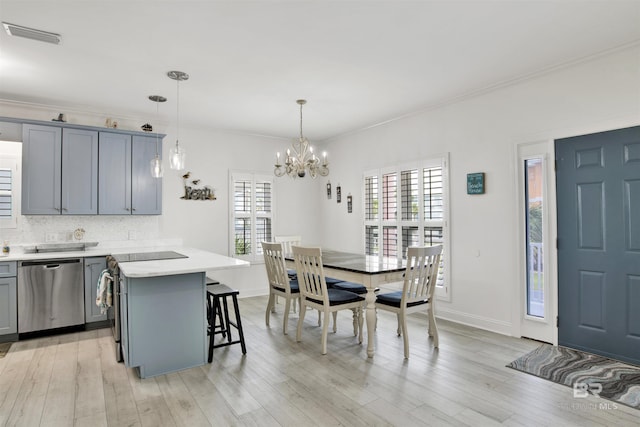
(146, 191)
(41, 170)
(93, 266)
(125, 182)
(8, 299)
(114, 174)
(59, 171)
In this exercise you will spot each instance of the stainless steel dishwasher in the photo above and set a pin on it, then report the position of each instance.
(50, 294)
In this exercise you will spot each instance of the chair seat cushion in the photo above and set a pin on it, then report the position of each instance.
(394, 298)
(338, 296)
(292, 274)
(295, 287)
(356, 288)
(331, 281)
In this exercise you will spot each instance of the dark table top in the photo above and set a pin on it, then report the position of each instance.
(358, 263)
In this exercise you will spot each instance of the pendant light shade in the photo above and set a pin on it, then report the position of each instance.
(177, 154)
(157, 171)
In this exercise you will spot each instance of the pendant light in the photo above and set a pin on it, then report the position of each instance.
(156, 163)
(177, 154)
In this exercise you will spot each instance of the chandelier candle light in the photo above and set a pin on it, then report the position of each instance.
(302, 159)
(156, 163)
(177, 154)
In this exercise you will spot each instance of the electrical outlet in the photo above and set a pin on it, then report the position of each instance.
(50, 237)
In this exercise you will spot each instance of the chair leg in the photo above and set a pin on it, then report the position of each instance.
(433, 327)
(226, 318)
(325, 328)
(319, 318)
(399, 325)
(303, 309)
(405, 334)
(335, 321)
(361, 323)
(355, 321)
(286, 316)
(294, 306)
(270, 305)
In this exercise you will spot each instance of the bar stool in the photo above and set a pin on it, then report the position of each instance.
(216, 295)
(218, 310)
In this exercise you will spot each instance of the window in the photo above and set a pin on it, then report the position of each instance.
(408, 208)
(251, 214)
(9, 197)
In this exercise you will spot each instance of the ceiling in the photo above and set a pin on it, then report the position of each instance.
(358, 63)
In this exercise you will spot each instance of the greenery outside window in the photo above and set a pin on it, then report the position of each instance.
(251, 214)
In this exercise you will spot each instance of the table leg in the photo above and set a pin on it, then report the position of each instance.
(371, 320)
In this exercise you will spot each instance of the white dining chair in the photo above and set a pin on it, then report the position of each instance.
(287, 243)
(417, 292)
(315, 294)
(279, 282)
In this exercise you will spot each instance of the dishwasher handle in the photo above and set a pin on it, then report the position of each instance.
(51, 263)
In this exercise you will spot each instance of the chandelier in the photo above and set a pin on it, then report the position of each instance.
(300, 158)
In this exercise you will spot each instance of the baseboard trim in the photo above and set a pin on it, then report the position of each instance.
(481, 322)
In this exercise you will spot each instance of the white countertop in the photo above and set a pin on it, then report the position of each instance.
(198, 260)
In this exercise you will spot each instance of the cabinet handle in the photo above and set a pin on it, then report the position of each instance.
(64, 209)
(57, 208)
(133, 209)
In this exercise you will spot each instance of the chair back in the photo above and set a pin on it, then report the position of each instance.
(276, 266)
(310, 274)
(421, 274)
(288, 242)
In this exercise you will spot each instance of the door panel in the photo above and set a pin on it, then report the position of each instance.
(598, 202)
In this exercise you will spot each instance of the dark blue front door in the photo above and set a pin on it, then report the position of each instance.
(598, 192)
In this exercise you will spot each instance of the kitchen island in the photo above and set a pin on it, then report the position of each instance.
(163, 310)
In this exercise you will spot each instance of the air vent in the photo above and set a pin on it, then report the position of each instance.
(31, 33)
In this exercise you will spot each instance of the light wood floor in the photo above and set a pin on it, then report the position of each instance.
(73, 379)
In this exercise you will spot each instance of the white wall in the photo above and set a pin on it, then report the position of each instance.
(481, 133)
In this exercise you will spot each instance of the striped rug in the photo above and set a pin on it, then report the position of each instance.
(585, 373)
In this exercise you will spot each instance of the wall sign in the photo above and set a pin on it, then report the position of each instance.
(475, 183)
(339, 194)
(195, 193)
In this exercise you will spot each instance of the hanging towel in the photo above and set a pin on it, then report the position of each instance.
(104, 295)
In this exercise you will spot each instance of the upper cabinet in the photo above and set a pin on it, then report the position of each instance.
(80, 170)
(126, 184)
(59, 171)
(115, 174)
(146, 191)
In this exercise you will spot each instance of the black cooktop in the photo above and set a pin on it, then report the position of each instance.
(148, 256)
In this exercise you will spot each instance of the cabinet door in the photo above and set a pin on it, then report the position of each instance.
(114, 180)
(8, 306)
(146, 191)
(92, 268)
(79, 172)
(41, 162)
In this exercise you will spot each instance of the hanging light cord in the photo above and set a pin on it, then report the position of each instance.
(177, 111)
(301, 137)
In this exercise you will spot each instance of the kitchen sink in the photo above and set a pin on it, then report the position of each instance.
(59, 247)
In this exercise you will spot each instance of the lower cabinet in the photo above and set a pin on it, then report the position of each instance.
(92, 268)
(163, 322)
(8, 299)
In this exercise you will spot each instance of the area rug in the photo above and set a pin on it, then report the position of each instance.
(586, 373)
(4, 349)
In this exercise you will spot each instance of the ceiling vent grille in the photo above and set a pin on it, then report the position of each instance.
(31, 33)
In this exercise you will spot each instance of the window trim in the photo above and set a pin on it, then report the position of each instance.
(253, 257)
(12, 162)
(442, 160)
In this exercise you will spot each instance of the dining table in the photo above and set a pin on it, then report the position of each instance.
(369, 270)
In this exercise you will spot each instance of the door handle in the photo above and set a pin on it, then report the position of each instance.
(52, 266)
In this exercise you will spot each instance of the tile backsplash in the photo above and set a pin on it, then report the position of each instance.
(49, 228)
